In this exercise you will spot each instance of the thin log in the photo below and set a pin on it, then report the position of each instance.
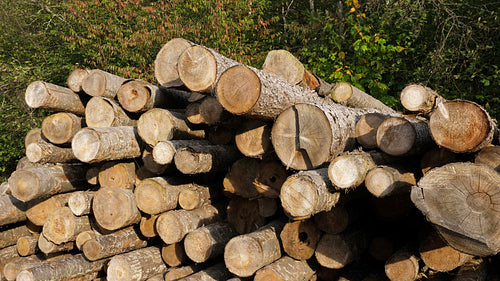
(151, 165)
(174, 255)
(27, 245)
(299, 239)
(159, 124)
(208, 242)
(165, 64)
(106, 112)
(181, 272)
(197, 196)
(193, 113)
(32, 136)
(253, 138)
(338, 250)
(366, 129)
(402, 265)
(118, 174)
(12, 268)
(53, 97)
(157, 195)
(419, 98)
(164, 151)
(205, 159)
(12, 210)
(8, 237)
(286, 268)
(49, 247)
(83, 237)
(436, 158)
(115, 208)
(382, 181)
(63, 226)
(75, 79)
(80, 202)
(173, 225)
(489, 156)
(307, 193)
(460, 213)
(211, 273)
(147, 226)
(245, 254)
(244, 215)
(59, 128)
(99, 83)
(136, 265)
(38, 213)
(351, 96)
(45, 152)
(111, 143)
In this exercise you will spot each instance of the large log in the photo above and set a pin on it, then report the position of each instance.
(75, 79)
(111, 143)
(208, 242)
(157, 195)
(286, 268)
(59, 128)
(115, 208)
(12, 210)
(247, 253)
(136, 265)
(106, 112)
(165, 64)
(465, 215)
(99, 83)
(439, 256)
(49, 96)
(299, 239)
(63, 226)
(253, 138)
(39, 212)
(118, 174)
(199, 159)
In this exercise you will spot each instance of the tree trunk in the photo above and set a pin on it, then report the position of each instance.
(9, 236)
(136, 265)
(173, 225)
(42, 182)
(53, 97)
(419, 98)
(196, 196)
(461, 126)
(115, 208)
(106, 112)
(460, 213)
(121, 241)
(117, 174)
(165, 64)
(245, 254)
(62, 226)
(159, 124)
(208, 242)
(244, 215)
(299, 239)
(399, 136)
(111, 143)
(366, 129)
(60, 128)
(338, 250)
(174, 255)
(251, 178)
(80, 202)
(385, 180)
(27, 245)
(181, 272)
(147, 226)
(38, 213)
(43, 152)
(212, 273)
(253, 138)
(12, 210)
(75, 79)
(353, 97)
(49, 247)
(200, 68)
(286, 268)
(201, 159)
(402, 265)
(307, 193)
(100, 83)
(436, 158)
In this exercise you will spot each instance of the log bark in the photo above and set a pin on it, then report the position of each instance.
(286, 268)
(465, 215)
(205, 159)
(245, 254)
(461, 126)
(208, 242)
(400, 136)
(115, 208)
(384, 180)
(353, 97)
(173, 225)
(59, 128)
(121, 241)
(12, 269)
(419, 98)
(106, 112)
(111, 143)
(53, 97)
(99, 83)
(196, 196)
(307, 193)
(136, 265)
(299, 239)
(38, 213)
(12, 210)
(63, 226)
(48, 247)
(159, 124)
(489, 156)
(157, 195)
(147, 226)
(42, 182)
(439, 256)
(8, 237)
(436, 158)
(165, 64)
(253, 138)
(174, 255)
(338, 250)
(244, 215)
(181, 272)
(117, 174)
(27, 245)
(7, 255)
(366, 129)
(211, 273)
(402, 265)
(252, 178)
(43, 152)
(75, 79)
(80, 202)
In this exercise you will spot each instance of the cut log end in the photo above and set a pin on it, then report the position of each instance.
(75, 79)
(86, 144)
(380, 182)
(114, 208)
(284, 64)
(344, 172)
(243, 255)
(24, 185)
(396, 136)
(163, 153)
(333, 252)
(156, 125)
(60, 127)
(95, 83)
(253, 138)
(34, 152)
(342, 92)
(133, 95)
(415, 98)
(166, 62)
(238, 89)
(36, 94)
(366, 129)
(25, 276)
(99, 113)
(298, 196)
(197, 68)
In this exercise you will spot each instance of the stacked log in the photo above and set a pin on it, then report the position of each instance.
(222, 171)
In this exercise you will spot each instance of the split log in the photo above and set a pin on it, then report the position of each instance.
(402, 265)
(475, 270)
(439, 256)
(27, 245)
(157, 195)
(115, 208)
(99, 83)
(245, 254)
(111, 143)
(200, 68)
(83, 237)
(208, 242)
(121, 241)
(244, 215)
(43, 152)
(211, 273)
(12, 210)
(338, 250)
(307, 193)
(75, 79)
(59, 269)
(106, 112)
(366, 129)
(351, 96)
(180, 272)
(62, 226)
(299, 239)
(399, 136)
(419, 98)
(136, 265)
(117, 174)
(174, 255)
(42, 182)
(286, 268)
(48, 247)
(460, 213)
(436, 158)
(151, 165)
(461, 126)
(251, 178)
(159, 124)
(59, 128)
(165, 64)
(253, 138)
(489, 156)
(80, 202)
(173, 225)
(384, 180)
(164, 151)
(38, 213)
(205, 159)
(8, 237)
(147, 226)
(53, 97)
(196, 196)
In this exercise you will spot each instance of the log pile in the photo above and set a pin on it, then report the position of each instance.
(221, 171)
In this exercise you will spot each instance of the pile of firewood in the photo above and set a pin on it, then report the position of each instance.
(220, 171)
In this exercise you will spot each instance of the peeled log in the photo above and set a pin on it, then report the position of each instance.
(439, 256)
(205, 158)
(166, 62)
(117, 174)
(136, 265)
(461, 126)
(253, 138)
(75, 79)
(63, 226)
(115, 208)
(419, 98)
(299, 239)
(59, 128)
(245, 254)
(111, 143)
(100, 83)
(307, 193)
(106, 112)
(286, 268)
(53, 97)
(399, 136)
(43, 152)
(208, 242)
(38, 213)
(489, 156)
(467, 214)
(353, 97)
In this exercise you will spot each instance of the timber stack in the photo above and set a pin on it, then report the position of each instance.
(221, 171)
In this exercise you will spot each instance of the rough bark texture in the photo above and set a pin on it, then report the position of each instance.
(59, 128)
(8, 237)
(45, 152)
(106, 112)
(80, 202)
(53, 97)
(12, 210)
(253, 138)
(399, 136)
(174, 255)
(353, 97)
(419, 98)
(165, 64)
(299, 239)
(157, 195)
(38, 213)
(75, 79)
(402, 266)
(212, 273)
(366, 129)
(244, 215)
(117, 174)
(245, 254)
(439, 256)
(114, 208)
(136, 265)
(205, 159)
(286, 268)
(385, 180)
(338, 250)
(63, 226)
(100, 83)
(489, 156)
(208, 242)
